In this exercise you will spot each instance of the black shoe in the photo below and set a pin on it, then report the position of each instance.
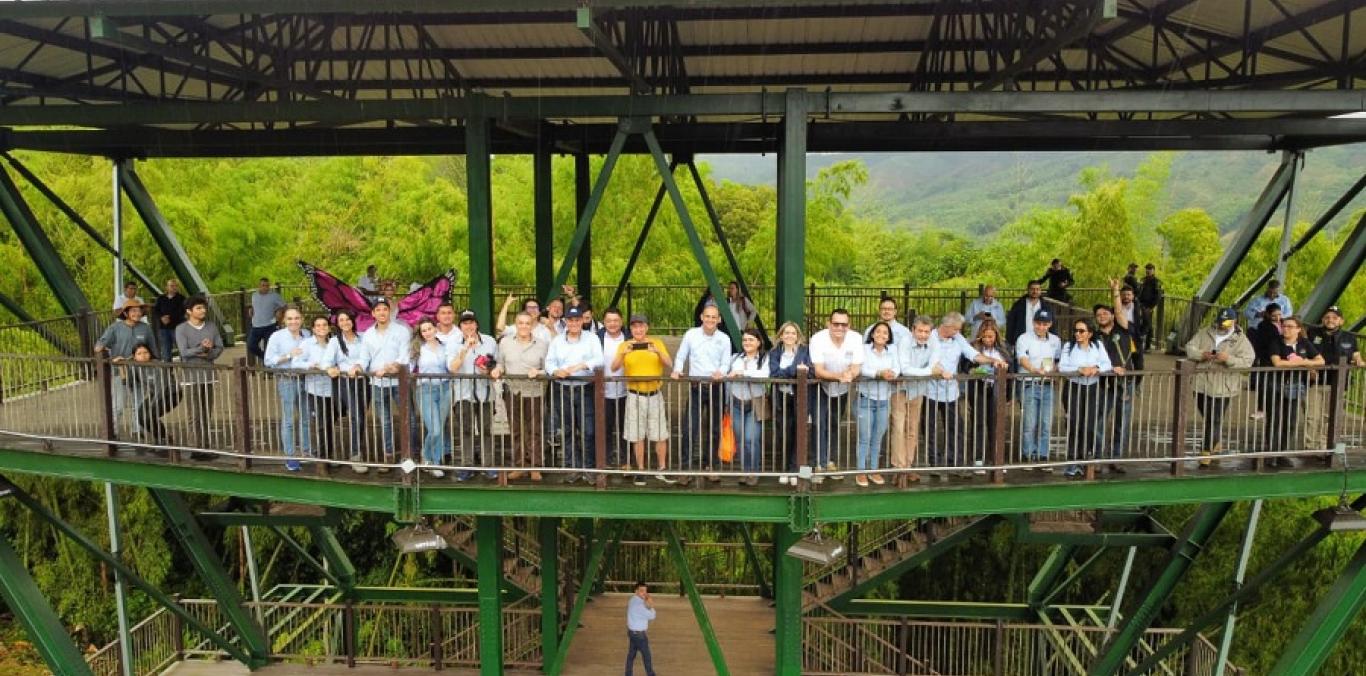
(1118, 469)
(202, 457)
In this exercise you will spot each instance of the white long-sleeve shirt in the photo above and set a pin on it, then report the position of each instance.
(704, 354)
(748, 367)
(874, 363)
(1074, 357)
(565, 352)
(467, 389)
(385, 348)
(281, 344)
(319, 357)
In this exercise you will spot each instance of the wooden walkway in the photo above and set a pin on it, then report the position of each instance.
(742, 624)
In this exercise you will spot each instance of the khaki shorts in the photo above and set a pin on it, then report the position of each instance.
(646, 418)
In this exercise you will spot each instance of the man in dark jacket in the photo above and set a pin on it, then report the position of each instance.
(1059, 280)
(1150, 294)
(1021, 315)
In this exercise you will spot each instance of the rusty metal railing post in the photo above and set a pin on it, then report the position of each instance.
(999, 654)
(1001, 414)
(903, 631)
(599, 426)
(437, 639)
(104, 379)
(349, 634)
(244, 314)
(801, 396)
(244, 440)
(177, 632)
(403, 442)
(1185, 374)
(851, 555)
(85, 331)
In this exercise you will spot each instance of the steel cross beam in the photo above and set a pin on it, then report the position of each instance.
(43, 330)
(1083, 19)
(640, 240)
(186, 530)
(1192, 542)
(308, 558)
(753, 555)
(35, 241)
(1329, 622)
(1249, 229)
(591, 567)
(35, 615)
(940, 547)
(699, 609)
(586, 25)
(721, 239)
(132, 578)
(1338, 274)
(489, 535)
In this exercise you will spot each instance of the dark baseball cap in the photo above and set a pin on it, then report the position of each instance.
(468, 315)
(1226, 315)
(573, 313)
(1044, 315)
(1334, 309)
(639, 319)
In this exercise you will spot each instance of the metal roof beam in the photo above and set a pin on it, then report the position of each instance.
(585, 23)
(1258, 37)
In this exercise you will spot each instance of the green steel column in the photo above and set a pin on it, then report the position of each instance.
(787, 594)
(36, 616)
(1202, 526)
(699, 609)
(548, 530)
(791, 240)
(690, 229)
(479, 197)
(210, 568)
(592, 564)
(489, 538)
(753, 555)
(543, 184)
(585, 220)
(583, 188)
(40, 248)
(1337, 275)
(1053, 568)
(339, 564)
(160, 228)
(1332, 617)
(1247, 231)
(640, 240)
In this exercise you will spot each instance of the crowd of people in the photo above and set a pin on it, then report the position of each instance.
(893, 381)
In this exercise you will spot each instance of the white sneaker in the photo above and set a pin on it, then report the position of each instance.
(785, 480)
(979, 472)
(359, 469)
(438, 474)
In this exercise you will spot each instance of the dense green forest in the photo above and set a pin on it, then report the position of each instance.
(242, 219)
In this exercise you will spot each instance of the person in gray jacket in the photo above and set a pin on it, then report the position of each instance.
(1216, 351)
(200, 344)
(117, 343)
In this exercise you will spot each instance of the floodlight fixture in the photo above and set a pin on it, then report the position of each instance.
(816, 550)
(418, 537)
(1341, 519)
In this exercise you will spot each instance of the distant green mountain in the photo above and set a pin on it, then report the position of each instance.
(978, 192)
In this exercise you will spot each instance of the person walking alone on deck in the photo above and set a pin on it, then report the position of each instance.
(640, 611)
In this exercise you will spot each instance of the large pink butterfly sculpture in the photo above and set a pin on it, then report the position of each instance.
(336, 295)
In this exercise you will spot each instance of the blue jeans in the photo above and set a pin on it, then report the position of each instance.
(293, 414)
(640, 643)
(575, 406)
(166, 338)
(1036, 402)
(434, 405)
(384, 398)
(744, 423)
(702, 433)
(1114, 414)
(830, 412)
(872, 426)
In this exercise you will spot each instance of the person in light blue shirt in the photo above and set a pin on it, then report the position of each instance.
(1083, 360)
(385, 346)
(320, 409)
(1256, 307)
(353, 393)
(428, 360)
(286, 351)
(875, 389)
(941, 400)
(984, 308)
(1037, 353)
(640, 612)
(705, 351)
(747, 401)
(472, 354)
(570, 361)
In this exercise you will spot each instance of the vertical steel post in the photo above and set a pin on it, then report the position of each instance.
(1121, 588)
(479, 198)
(35, 241)
(583, 188)
(787, 582)
(253, 576)
(165, 238)
(111, 509)
(699, 609)
(118, 230)
(36, 616)
(1240, 572)
(543, 193)
(1329, 622)
(791, 240)
(548, 532)
(489, 538)
(585, 221)
(1192, 541)
(1182, 396)
(753, 556)
(1295, 158)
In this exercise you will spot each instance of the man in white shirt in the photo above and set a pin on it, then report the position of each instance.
(941, 398)
(706, 351)
(368, 283)
(574, 354)
(640, 611)
(614, 390)
(986, 307)
(838, 358)
(386, 353)
(916, 357)
(472, 354)
(1037, 353)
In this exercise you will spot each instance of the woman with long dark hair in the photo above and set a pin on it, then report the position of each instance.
(880, 368)
(746, 400)
(1293, 354)
(353, 392)
(1083, 360)
(982, 393)
(319, 403)
(426, 357)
